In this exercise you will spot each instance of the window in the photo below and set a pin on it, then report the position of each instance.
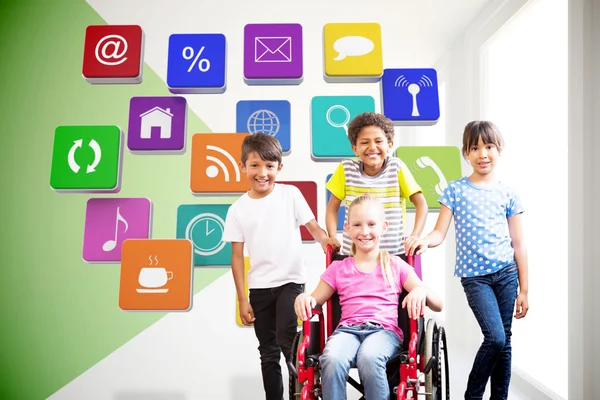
(525, 92)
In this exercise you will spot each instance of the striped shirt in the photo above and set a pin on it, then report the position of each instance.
(392, 186)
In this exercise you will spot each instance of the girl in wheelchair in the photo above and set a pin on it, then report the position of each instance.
(368, 284)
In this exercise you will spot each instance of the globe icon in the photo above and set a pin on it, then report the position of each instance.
(263, 121)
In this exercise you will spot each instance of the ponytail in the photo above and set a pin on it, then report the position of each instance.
(386, 269)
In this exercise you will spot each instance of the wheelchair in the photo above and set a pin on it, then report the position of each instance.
(423, 354)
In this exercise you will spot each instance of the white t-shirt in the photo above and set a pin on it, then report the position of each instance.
(270, 229)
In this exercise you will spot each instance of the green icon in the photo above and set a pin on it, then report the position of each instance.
(203, 225)
(330, 116)
(86, 159)
(432, 167)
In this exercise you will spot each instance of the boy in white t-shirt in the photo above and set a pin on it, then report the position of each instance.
(267, 219)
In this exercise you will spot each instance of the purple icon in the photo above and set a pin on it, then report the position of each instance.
(157, 124)
(109, 222)
(273, 54)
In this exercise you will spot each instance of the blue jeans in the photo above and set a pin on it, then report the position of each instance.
(492, 299)
(366, 346)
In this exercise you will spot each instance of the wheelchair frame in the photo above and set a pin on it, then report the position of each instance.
(412, 363)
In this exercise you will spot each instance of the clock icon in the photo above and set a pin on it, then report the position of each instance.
(206, 233)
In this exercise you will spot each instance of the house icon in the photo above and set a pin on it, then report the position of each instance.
(157, 121)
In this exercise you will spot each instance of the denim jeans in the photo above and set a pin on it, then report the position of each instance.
(366, 346)
(275, 326)
(492, 299)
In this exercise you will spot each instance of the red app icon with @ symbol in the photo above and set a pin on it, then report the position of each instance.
(113, 54)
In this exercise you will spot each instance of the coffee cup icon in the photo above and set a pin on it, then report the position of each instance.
(153, 279)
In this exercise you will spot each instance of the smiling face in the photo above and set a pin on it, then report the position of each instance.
(372, 146)
(483, 157)
(261, 174)
(366, 224)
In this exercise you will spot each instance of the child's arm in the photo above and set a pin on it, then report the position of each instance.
(306, 302)
(331, 218)
(421, 210)
(436, 237)
(237, 269)
(419, 295)
(515, 229)
(336, 185)
(321, 236)
(411, 189)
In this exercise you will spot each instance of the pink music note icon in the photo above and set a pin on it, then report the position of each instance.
(110, 245)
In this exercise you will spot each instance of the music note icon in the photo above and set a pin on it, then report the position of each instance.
(110, 245)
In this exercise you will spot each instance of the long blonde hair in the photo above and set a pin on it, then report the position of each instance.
(384, 256)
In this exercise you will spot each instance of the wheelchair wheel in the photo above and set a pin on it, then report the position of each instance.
(295, 387)
(442, 375)
(435, 346)
(433, 387)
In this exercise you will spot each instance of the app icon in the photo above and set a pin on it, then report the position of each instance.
(113, 54)
(156, 275)
(203, 225)
(197, 63)
(238, 320)
(215, 163)
(273, 54)
(330, 116)
(109, 222)
(410, 96)
(157, 124)
(352, 52)
(341, 211)
(309, 191)
(271, 117)
(432, 167)
(87, 159)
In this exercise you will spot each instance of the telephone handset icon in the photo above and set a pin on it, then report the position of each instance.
(425, 162)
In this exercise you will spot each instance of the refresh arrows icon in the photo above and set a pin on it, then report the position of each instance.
(97, 156)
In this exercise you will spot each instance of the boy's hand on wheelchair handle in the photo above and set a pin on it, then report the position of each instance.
(522, 306)
(246, 313)
(415, 302)
(303, 306)
(333, 242)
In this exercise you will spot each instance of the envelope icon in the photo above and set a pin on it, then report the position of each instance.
(273, 49)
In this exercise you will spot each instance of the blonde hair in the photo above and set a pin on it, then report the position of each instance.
(384, 256)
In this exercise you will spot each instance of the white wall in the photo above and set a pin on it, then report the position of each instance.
(584, 218)
(464, 92)
(459, 69)
(408, 41)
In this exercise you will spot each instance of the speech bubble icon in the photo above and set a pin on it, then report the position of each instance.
(352, 46)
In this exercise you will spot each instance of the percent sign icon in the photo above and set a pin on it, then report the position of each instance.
(188, 54)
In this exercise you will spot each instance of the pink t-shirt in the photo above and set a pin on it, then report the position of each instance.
(366, 296)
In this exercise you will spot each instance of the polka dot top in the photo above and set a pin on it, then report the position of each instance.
(483, 244)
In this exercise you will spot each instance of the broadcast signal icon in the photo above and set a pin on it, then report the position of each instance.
(414, 89)
(215, 163)
(410, 96)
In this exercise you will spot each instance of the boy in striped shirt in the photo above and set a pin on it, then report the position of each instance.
(379, 175)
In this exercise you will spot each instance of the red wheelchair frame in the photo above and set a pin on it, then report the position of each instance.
(410, 364)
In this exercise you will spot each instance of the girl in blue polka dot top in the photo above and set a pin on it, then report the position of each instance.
(491, 258)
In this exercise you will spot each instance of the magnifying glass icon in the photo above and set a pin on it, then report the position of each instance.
(338, 124)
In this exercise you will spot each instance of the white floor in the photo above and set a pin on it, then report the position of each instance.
(181, 357)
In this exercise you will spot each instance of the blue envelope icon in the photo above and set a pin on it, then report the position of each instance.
(273, 49)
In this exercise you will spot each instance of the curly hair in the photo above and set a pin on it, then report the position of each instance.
(267, 147)
(370, 119)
